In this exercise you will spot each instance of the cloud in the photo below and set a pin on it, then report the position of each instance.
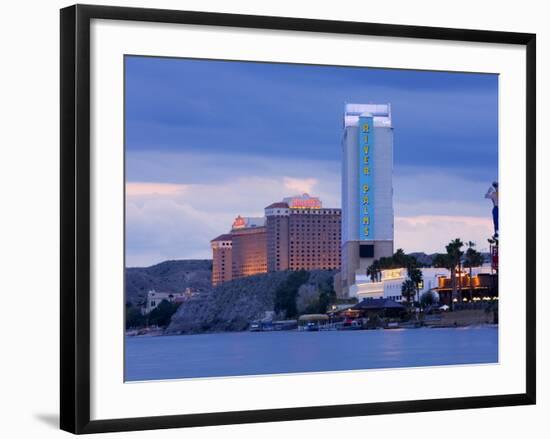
(177, 202)
(153, 189)
(300, 185)
(424, 191)
(430, 233)
(177, 221)
(205, 167)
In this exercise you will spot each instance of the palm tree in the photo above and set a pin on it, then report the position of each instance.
(408, 290)
(460, 274)
(441, 260)
(400, 259)
(473, 259)
(373, 270)
(415, 275)
(413, 271)
(455, 253)
(386, 262)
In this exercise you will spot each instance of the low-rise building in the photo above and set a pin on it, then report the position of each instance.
(154, 298)
(483, 287)
(391, 281)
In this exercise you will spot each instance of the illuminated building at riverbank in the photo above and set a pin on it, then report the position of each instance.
(249, 247)
(438, 280)
(367, 189)
(240, 253)
(388, 286)
(301, 234)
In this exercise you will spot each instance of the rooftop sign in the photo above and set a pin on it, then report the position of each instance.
(239, 223)
(247, 222)
(304, 202)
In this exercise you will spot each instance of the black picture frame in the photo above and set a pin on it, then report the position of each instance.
(75, 217)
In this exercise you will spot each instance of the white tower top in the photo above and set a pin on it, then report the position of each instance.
(381, 114)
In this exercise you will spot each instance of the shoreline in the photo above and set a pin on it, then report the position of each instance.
(474, 325)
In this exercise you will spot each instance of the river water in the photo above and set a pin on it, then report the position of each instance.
(254, 353)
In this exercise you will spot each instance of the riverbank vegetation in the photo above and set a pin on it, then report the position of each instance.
(158, 317)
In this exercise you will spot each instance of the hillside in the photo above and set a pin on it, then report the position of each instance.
(230, 306)
(168, 276)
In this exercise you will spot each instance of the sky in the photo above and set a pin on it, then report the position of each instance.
(209, 140)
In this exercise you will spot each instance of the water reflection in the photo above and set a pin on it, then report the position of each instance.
(232, 354)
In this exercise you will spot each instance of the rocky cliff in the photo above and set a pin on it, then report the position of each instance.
(232, 305)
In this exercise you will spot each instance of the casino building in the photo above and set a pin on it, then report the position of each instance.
(240, 253)
(296, 233)
(301, 234)
(367, 190)
(249, 248)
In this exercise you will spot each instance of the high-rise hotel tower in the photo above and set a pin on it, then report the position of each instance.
(302, 235)
(367, 190)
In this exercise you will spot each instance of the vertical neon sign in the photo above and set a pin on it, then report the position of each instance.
(366, 193)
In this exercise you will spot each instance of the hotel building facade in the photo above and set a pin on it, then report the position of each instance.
(367, 190)
(240, 253)
(222, 268)
(296, 233)
(301, 234)
(249, 249)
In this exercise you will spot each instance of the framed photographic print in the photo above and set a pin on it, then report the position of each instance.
(268, 218)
